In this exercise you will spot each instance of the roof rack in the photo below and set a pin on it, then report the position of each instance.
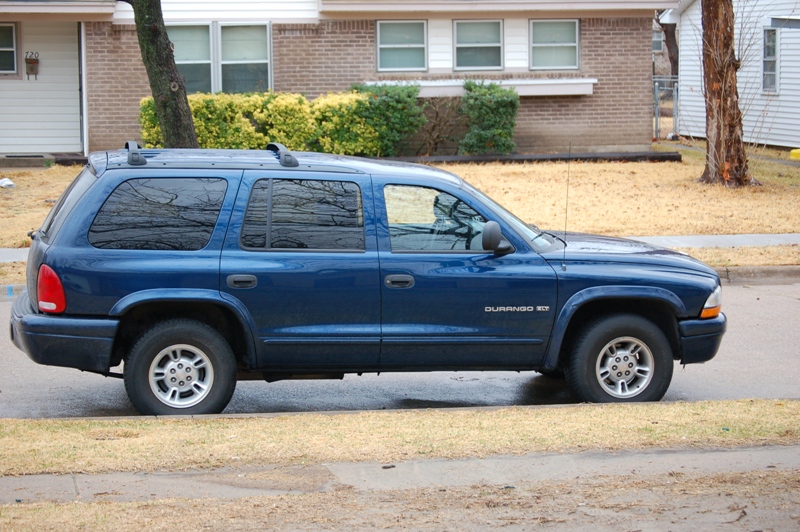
(134, 157)
(285, 157)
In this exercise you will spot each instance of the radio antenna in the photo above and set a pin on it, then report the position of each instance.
(566, 210)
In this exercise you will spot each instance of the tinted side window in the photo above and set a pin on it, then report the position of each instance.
(304, 214)
(426, 219)
(176, 213)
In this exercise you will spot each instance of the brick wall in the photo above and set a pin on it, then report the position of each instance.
(329, 56)
(115, 83)
(313, 59)
(618, 53)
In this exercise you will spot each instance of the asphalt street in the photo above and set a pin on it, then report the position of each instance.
(759, 358)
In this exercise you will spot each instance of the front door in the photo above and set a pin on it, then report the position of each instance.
(305, 265)
(447, 303)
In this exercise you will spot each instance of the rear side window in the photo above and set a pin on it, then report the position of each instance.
(74, 192)
(304, 214)
(169, 214)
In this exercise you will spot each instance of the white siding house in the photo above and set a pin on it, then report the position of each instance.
(768, 45)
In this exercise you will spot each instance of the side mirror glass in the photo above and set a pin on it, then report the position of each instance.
(493, 239)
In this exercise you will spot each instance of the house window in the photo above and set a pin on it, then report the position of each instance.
(479, 45)
(193, 56)
(8, 48)
(402, 45)
(770, 77)
(554, 44)
(245, 59)
(216, 58)
(658, 40)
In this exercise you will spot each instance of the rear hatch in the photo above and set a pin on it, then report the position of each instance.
(44, 237)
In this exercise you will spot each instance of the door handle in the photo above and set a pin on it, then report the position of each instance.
(242, 281)
(399, 281)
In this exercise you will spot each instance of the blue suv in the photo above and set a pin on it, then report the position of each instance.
(182, 271)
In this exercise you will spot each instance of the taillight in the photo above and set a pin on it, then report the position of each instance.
(50, 291)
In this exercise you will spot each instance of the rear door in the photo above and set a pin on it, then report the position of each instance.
(302, 258)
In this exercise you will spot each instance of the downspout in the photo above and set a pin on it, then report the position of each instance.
(84, 96)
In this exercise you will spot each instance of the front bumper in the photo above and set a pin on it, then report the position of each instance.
(700, 339)
(80, 343)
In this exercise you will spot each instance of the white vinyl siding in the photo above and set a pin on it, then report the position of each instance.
(42, 114)
(554, 44)
(768, 117)
(516, 43)
(198, 11)
(440, 44)
(478, 44)
(402, 45)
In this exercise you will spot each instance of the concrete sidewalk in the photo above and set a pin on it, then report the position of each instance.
(233, 483)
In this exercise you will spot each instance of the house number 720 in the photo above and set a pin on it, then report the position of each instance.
(31, 55)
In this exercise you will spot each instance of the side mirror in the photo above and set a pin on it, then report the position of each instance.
(492, 239)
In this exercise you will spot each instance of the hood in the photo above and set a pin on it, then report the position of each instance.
(583, 247)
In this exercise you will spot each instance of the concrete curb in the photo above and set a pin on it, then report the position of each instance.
(737, 275)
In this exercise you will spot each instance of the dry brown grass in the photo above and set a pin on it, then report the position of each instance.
(24, 207)
(640, 198)
(12, 273)
(92, 446)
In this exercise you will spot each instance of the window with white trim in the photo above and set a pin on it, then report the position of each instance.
(770, 61)
(223, 58)
(658, 40)
(8, 48)
(479, 44)
(402, 45)
(554, 44)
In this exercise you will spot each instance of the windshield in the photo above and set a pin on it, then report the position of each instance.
(537, 238)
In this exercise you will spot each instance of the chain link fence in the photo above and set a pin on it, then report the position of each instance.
(665, 107)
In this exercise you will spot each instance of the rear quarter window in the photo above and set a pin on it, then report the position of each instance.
(159, 214)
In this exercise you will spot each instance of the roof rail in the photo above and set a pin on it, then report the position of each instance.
(134, 157)
(285, 157)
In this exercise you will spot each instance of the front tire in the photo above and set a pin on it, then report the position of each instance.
(180, 367)
(620, 358)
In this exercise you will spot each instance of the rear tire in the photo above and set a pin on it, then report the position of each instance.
(180, 367)
(620, 358)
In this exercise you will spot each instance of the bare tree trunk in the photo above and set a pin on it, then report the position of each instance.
(671, 42)
(166, 83)
(726, 160)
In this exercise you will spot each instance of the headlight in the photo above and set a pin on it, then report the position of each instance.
(713, 304)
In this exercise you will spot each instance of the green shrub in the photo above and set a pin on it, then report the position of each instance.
(492, 114)
(342, 126)
(394, 112)
(151, 131)
(286, 118)
(220, 120)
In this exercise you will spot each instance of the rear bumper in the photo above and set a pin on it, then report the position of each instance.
(700, 339)
(79, 343)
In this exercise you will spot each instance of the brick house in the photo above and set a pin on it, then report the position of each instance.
(582, 69)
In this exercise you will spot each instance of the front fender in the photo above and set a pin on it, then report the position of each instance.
(597, 293)
(192, 295)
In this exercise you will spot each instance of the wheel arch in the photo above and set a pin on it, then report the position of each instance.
(660, 306)
(138, 312)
